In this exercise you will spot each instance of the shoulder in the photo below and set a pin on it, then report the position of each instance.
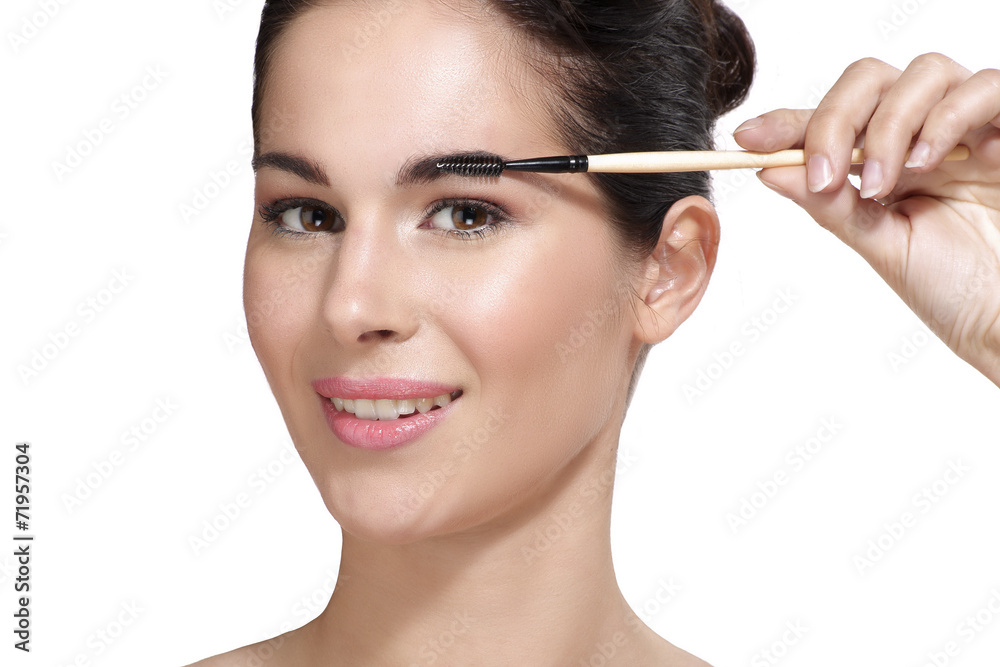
(274, 652)
(647, 647)
(665, 653)
(240, 657)
(653, 650)
(229, 659)
(681, 658)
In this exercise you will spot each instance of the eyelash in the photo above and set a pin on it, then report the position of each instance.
(271, 213)
(500, 218)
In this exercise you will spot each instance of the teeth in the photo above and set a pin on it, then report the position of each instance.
(387, 409)
(364, 408)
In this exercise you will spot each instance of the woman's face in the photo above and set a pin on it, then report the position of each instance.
(529, 321)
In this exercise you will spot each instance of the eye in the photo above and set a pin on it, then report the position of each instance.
(464, 216)
(308, 219)
(300, 216)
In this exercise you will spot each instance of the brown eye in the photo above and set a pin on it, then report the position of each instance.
(468, 217)
(315, 219)
(308, 219)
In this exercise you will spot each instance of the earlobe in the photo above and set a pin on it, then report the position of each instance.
(677, 271)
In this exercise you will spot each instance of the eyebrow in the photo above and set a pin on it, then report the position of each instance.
(418, 170)
(304, 168)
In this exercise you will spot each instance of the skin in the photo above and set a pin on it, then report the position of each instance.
(389, 294)
(932, 231)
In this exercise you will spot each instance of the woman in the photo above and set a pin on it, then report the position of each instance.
(424, 335)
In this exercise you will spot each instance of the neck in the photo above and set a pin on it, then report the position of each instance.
(536, 587)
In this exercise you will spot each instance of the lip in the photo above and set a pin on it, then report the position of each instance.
(376, 434)
(380, 387)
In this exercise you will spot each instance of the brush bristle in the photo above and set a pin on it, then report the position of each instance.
(472, 166)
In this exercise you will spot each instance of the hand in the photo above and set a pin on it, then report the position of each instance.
(930, 228)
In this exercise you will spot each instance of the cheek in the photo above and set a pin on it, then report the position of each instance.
(278, 308)
(543, 337)
(544, 328)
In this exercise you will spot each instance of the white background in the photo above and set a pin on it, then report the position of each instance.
(176, 333)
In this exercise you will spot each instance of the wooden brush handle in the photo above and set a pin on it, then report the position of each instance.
(675, 161)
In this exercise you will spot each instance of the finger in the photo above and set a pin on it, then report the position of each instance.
(873, 230)
(901, 114)
(970, 106)
(840, 118)
(774, 130)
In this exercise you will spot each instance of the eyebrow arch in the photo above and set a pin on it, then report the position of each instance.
(417, 170)
(420, 170)
(304, 168)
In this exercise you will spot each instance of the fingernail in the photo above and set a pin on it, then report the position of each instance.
(871, 179)
(919, 156)
(751, 124)
(820, 173)
(780, 191)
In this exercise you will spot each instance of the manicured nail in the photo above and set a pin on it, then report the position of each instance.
(751, 124)
(919, 156)
(780, 191)
(820, 173)
(871, 179)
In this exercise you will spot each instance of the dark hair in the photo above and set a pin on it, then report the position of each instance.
(636, 75)
(640, 75)
(632, 75)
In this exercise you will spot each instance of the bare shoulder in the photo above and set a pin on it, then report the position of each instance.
(649, 650)
(228, 659)
(678, 657)
(645, 647)
(685, 659)
(280, 651)
(240, 657)
(674, 656)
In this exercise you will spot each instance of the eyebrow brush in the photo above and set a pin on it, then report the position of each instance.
(491, 166)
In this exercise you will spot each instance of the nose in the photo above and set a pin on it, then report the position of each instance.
(369, 294)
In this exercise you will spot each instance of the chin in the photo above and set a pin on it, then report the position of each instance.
(389, 515)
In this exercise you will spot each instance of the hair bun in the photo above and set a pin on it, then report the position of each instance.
(732, 53)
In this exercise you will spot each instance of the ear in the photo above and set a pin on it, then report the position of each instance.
(676, 274)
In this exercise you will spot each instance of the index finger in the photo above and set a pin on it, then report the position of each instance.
(841, 118)
(774, 131)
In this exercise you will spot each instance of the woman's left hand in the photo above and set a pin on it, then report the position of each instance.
(930, 229)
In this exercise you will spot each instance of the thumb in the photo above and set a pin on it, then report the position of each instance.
(875, 231)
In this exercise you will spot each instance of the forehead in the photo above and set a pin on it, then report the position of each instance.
(420, 76)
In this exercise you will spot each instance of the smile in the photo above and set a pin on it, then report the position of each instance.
(387, 409)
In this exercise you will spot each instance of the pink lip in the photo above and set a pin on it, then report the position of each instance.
(376, 434)
(379, 387)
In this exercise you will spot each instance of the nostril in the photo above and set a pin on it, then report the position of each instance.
(382, 334)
